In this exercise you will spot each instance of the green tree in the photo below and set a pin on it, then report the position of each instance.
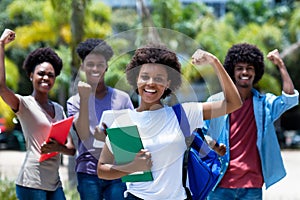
(12, 75)
(43, 17)
(166, 13)
(40, 23)
(257, 11)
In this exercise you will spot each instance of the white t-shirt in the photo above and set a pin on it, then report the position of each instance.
(161, 135)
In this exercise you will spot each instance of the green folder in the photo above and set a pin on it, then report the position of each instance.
(125, 143)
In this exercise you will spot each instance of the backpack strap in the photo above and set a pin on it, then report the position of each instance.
(185, 128)
(184, 174)
(182, 119)
(201, 134)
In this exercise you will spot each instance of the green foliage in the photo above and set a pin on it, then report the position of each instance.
(12, 74)
(194, 11)
(266, 37)
(166, 13)
(116, 77)
(8, 114)
(24, 12)
(53, 10)
(245, 21)
(218, 36)
(7, 189)
(189, 23)
(99, 12)
(215, 36)
(46, 16)
(173, 15)
(124, 19)
(71, 193)
(294, 25)
(257, 11)
(269, 83)
(47, 23)
(12, 78)
(35, 33)
(63, 80)
(97, 20)
(292, 64)
(95, 30)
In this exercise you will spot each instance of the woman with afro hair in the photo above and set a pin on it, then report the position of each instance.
(253, 154)
(36, 113)
(154, 72)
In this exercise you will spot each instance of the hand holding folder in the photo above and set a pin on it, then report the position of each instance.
(59, 131)
(126, 143)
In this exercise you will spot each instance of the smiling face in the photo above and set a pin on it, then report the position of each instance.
(43, 77)
(152, 81)
(94, 66)
(244, 75)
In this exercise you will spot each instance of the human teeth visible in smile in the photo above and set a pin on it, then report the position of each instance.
(244, 78)
(96, 74)
(44, 84)
(149, 90)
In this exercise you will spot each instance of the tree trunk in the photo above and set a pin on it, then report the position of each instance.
(147, 23)
(291, 49)
(77, 24)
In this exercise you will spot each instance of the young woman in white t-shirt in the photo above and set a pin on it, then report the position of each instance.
(154, 72)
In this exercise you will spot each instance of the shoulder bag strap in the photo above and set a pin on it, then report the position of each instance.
(185, 128)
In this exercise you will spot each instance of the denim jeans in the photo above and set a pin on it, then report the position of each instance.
(90, 187)
(26, 193)
(236, 194)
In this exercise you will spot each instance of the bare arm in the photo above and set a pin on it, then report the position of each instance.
(232, 100)
(287, 83)
(82, 123)
(7, 95)
(107, 170)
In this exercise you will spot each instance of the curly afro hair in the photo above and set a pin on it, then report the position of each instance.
(245, 53)
(95, 46)
(40, 55)
(155, 53)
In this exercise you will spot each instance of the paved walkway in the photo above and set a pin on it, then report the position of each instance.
(286, 189)
(11, 162)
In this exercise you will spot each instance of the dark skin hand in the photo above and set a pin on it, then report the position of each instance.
(220, 149)
(100, 133)
(52, 146)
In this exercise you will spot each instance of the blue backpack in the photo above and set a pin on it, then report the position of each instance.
(201, 164)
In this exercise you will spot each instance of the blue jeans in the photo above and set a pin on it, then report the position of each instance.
(26, 193)
(235, 194)
(90, 187)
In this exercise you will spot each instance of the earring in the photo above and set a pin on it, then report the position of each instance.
(30, 79)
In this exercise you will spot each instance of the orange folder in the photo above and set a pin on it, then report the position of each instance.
(58, 131)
